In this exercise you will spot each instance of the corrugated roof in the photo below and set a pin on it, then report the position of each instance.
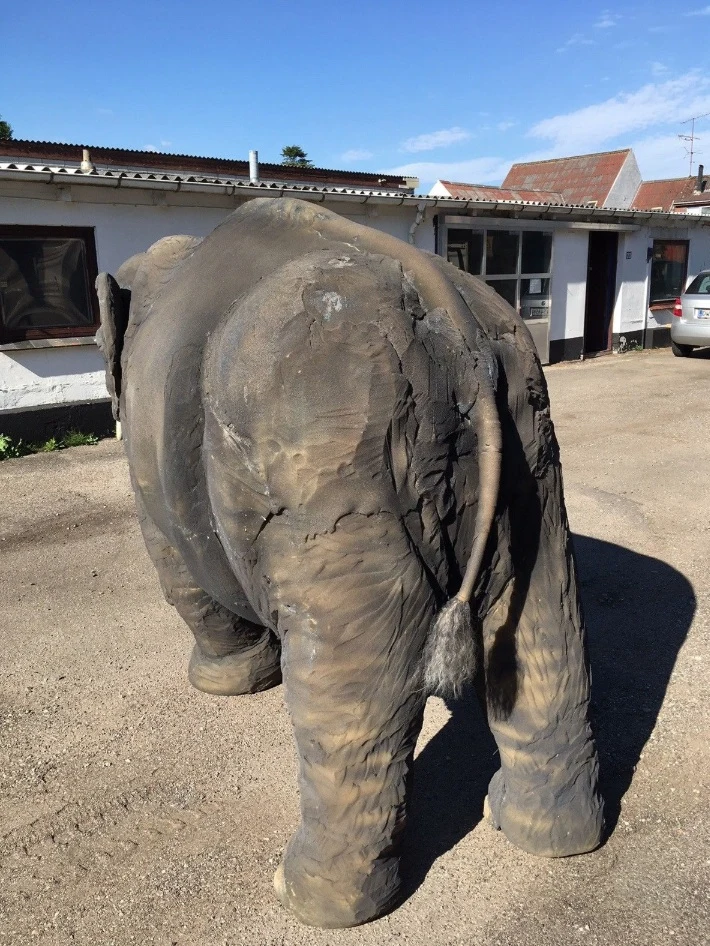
(490, 192)
(665, 193)
(54, 174)
(51, 152)
(579, 179)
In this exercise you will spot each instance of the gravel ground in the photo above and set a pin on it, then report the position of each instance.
(134, 809)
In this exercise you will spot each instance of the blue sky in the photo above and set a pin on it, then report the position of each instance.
(455, 89)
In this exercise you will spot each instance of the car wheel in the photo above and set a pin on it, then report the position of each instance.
(682, 351)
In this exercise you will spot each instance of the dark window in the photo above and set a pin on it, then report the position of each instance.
(537, 252)
(465, 250)
(502, 252)
(668, 269)
(47, 277)
(536, 286)
(515, 263)
(506, 288)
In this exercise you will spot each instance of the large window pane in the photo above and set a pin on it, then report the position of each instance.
(506, 288)
(668, 269)
(46, 276)
(537, 252)
(465, 250)
(502, 252)
(44, 283)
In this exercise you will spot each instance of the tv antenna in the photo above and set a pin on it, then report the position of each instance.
(691, 138)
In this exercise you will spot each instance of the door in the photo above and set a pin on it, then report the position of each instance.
(601, 291)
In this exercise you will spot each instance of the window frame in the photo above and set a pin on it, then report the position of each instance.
(480, 227)
(88, 237)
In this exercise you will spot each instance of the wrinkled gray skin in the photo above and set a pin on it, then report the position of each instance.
(299, 407)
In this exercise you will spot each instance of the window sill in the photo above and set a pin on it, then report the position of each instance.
(48, 343)
(659, 306)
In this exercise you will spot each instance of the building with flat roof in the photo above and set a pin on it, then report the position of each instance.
(586, 279)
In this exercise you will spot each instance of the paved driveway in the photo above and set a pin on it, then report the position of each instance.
(135, 810)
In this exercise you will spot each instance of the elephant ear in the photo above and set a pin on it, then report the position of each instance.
(125, 301)
(114, 304)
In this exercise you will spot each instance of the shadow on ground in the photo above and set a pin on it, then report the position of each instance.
(638, 612)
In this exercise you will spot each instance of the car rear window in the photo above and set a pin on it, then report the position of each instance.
(700, 286)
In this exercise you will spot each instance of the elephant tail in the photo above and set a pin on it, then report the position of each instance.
(451, 654)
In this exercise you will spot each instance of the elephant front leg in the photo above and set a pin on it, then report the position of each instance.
(231, 655)
(355, 609)
(545, 796)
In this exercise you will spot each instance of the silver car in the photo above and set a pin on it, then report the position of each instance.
(691, 326)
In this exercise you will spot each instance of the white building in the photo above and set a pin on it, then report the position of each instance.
(586, 279)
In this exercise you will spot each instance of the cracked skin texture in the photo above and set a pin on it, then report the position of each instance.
(298, 397)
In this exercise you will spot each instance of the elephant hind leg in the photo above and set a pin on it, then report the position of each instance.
(545, 796)
(231, 655)
(355, 608)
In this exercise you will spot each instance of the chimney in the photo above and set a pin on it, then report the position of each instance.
(254, 167)
(700, 183)
(86, 166)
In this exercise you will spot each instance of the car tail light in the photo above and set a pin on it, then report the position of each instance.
(677, 309)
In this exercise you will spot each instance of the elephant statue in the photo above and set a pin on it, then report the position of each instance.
(346, 475)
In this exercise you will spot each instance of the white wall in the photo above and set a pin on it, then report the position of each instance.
(50, 376)
(699, 255)
(570, 249)
(134, 220)
(439, 190)
(624, 188)
(632, 277)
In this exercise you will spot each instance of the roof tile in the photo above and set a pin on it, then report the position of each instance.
(579, 179)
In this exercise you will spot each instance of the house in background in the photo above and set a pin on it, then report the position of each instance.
(584, 284)
(490, 192)
(681, 194)
(605, 179)
(68, 212)
(585, 278)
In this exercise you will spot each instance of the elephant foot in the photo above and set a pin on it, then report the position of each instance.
(330, 904)
(246, 671)
(547, 823)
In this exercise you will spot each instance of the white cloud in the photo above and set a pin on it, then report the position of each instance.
(104, 111)
(487, 170)
(504, 126)
(435, 139)
(149, 148)
(661, 156)
(607, 20)
(653, 105)
(578, 39)
(165, 144)
(355, 154)
(704, 11)
(659, 69)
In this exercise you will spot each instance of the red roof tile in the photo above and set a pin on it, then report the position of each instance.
(49, 151)
(579, 179)
(488, 192)
(654, 194)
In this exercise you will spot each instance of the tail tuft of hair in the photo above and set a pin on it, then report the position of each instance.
(451, 654)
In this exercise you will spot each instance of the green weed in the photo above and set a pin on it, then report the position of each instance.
(10, 449)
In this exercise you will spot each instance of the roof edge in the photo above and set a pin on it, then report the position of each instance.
(16, 146)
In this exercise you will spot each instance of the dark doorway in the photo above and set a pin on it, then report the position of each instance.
(601, 290)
